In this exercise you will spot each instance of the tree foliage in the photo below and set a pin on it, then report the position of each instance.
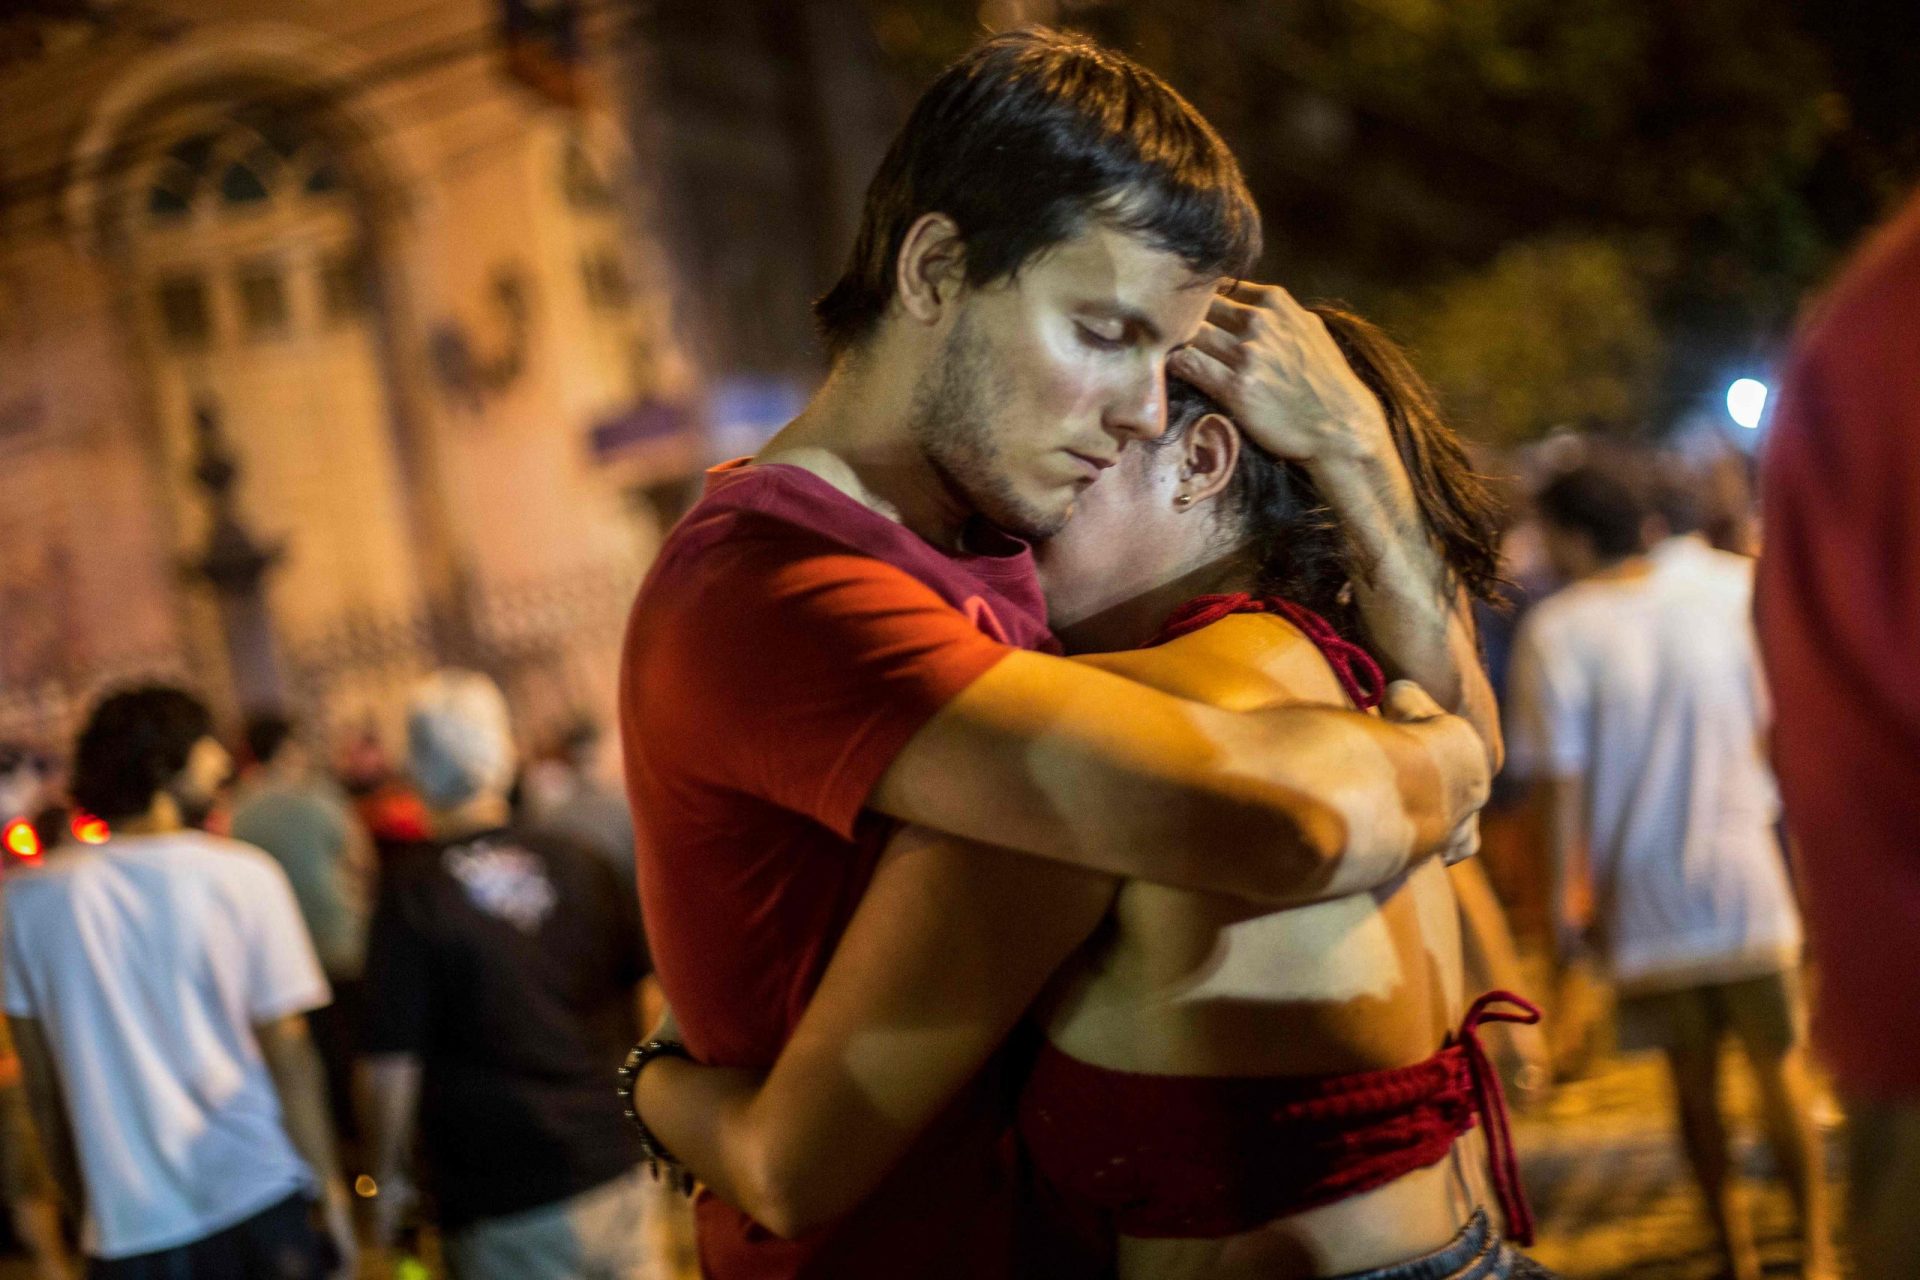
(1552, 333)
(1403, 149)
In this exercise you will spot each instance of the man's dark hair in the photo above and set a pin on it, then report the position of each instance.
(1676, 493)
(265, 733)
(1602, 502)
(135, 742)
(1023, 143)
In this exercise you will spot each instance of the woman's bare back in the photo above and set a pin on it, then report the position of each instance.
(1182, 983)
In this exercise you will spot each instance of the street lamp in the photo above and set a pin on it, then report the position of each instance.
(1746, 401)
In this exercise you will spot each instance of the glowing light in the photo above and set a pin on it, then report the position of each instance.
(21, 839)
(88, 829)
(1746, 401)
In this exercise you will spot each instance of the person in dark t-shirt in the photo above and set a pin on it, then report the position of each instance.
(503, 968)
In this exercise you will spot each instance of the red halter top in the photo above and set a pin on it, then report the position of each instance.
(1196, 1157)
(1202, 1157)
(1359, 675)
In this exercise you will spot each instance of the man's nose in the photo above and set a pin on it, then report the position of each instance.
(1141, 413)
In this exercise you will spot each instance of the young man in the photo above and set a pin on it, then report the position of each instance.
(574, 794)
(842, 635)
(502, 976)
(301, 816)
(26, 1185)
(1635, 708)
(156, 986)
(1839, 624)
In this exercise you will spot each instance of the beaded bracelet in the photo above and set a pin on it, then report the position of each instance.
(651, 1147)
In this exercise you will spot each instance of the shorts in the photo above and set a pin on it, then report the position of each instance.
(1762, 1013)
(279, 1243)
(1477, 1253)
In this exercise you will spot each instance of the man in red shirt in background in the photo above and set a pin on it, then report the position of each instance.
(1838, 607)
(846, 633)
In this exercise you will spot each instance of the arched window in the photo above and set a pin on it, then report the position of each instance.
(252, 176)
(247, 244)
(251, 158)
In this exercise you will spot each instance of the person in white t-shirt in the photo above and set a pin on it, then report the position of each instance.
(156, 986)
(1635, 707)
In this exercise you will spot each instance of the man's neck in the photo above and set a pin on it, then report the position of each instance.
(856, 435)
(482, 813)
(1625, 569)
(282, 771)
(161, 818)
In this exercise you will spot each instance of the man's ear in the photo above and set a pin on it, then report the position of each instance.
(1212, 451)
(931, 267)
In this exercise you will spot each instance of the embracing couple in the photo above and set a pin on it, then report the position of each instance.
(987, 961)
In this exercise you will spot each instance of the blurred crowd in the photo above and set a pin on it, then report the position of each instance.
(415, 1025)
(308, 1020)
(1638, 819)
(436, 1014)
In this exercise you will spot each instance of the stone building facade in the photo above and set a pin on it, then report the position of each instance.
(427, 308)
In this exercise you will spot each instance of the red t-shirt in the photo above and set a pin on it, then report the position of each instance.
(785, 646)
(1838, 608)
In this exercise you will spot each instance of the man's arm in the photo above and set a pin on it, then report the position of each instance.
(949, 946)
(300, 1079)
(1559, 807)
(1293, 804)
(1492, 963)
(1550, 719)
(392, 1037)
(1486, 940)
(388, 1093)
(48, 1105)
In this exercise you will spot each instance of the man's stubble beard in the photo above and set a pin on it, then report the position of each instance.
(955, 408)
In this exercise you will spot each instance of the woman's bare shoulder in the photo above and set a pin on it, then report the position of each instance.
(1242, 663)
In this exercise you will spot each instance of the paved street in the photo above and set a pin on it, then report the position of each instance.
(1608, 1184)
(1610, 1189)
(1605, 1177)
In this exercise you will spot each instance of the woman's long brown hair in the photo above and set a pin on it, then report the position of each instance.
(1304, 555)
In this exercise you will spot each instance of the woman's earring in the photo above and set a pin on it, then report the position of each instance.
(1185, 499)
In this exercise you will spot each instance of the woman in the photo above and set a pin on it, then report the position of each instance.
(1227, 1089)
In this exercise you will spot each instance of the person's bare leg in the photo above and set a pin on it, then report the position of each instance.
(1703, 1136)
(1786, 1096)
(36, 1222)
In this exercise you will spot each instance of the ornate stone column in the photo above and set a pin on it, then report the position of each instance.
(235, 564)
